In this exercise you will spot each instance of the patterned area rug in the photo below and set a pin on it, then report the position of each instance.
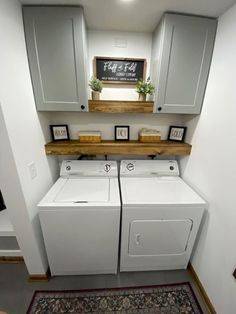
(168, 299)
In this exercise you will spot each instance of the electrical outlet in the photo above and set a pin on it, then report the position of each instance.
(32, 170)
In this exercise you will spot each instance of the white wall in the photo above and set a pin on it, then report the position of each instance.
(22, 139)
(103, 43)
(105, 122)
(211, 169)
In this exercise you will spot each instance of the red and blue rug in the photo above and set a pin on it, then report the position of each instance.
(168, 299)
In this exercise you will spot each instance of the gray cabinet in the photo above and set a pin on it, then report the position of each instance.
(181, 57)
(56, 44)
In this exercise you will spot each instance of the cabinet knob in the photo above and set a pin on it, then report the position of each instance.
(82, 107)
(159, 108)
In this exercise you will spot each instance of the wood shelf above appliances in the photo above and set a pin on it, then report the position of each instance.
(74, 147)
(119, 106)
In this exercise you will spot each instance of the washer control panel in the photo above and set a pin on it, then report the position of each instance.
(89, 168)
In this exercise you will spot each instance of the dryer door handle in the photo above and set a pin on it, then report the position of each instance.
(137, 238)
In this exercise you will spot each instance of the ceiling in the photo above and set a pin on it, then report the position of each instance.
(137, 15)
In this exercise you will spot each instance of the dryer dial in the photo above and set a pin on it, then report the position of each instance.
(130, 166)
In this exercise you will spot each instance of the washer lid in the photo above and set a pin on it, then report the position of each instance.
(158, 190)
(84, 190)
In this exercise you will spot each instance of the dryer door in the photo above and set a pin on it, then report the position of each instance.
(159, 237)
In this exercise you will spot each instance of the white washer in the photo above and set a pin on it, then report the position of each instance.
(161, 215)
(80, 219)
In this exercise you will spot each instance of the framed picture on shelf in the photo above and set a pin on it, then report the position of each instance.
(177, 133)
(119, 70)
(59, 132)
(121, 133)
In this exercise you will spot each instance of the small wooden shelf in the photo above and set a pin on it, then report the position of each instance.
(119, 106)
(74, 147)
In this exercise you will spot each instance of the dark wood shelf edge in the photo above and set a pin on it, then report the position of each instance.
(119, 106)
(74, 147)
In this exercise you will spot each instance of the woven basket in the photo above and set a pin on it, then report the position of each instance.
(149, 138)
(90, 137)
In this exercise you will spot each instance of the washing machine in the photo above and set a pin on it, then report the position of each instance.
(80, 219)
(161, 215)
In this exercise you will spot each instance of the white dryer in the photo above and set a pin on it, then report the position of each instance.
(161, 215)
(80, 219)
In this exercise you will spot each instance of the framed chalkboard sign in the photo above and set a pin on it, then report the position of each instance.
(119, 70)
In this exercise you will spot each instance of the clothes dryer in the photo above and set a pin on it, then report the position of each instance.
(161, 215)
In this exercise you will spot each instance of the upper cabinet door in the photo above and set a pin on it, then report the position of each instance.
(56, 44)
(181, 62)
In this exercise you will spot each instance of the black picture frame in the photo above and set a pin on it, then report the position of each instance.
(60, 132)
(177, 133)
(121, 132)
(119, 70)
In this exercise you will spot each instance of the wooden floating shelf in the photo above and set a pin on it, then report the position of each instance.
(74, 147)
(117, 106)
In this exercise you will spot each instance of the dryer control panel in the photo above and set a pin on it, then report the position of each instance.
(80, 168)
(149, 168)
